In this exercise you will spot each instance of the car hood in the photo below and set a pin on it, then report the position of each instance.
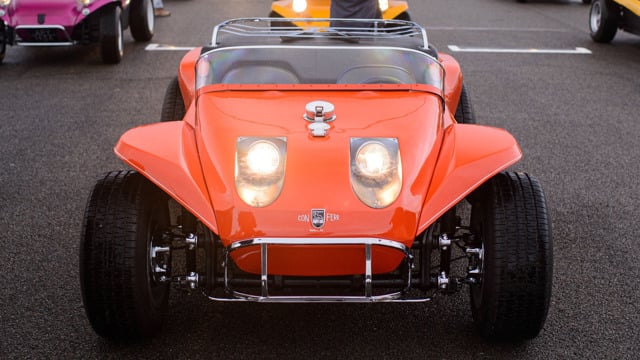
(317, 171)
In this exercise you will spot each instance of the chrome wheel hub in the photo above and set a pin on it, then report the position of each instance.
(475, 270)
(595, 17)
(159, 258)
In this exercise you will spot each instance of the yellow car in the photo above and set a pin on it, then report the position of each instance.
(607, 16)
(319, 9)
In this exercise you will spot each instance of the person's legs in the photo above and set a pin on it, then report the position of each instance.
(355, 9)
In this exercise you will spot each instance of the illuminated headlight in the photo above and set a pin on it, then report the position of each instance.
(376, 170)
(5, 3)
(259, 172)
(299, 5)
(384, 5)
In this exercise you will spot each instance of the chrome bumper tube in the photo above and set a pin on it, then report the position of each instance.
(66, 42)
(367, 296)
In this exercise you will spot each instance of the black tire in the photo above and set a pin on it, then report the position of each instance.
(464, 112)
(125, 216)
(603, 21)
(283, 24)
(512, 226)
(3, 41)
(173, 104)
(141, 20)
(586, 2)
(111, 40)
(403, 16)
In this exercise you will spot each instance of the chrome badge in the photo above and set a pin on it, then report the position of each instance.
(317, 218)
(319, 113)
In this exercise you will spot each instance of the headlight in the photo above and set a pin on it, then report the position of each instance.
(5, 3)
(376, 170)
(384, 5)
(299, 5)
(259, 172)
(83, 2)
(263, 159)
(373, 162)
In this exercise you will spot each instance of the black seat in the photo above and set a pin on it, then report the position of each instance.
(376, 74)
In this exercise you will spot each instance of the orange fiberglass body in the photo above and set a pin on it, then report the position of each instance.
(335, 164)
(194, 161)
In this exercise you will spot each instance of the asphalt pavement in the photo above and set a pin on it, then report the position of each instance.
(574, 113)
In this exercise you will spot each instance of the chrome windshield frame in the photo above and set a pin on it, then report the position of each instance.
(204, 79)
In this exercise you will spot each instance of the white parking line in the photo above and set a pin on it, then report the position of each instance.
(163, 47)
(576, 51)
(469, 28)
(454, 48)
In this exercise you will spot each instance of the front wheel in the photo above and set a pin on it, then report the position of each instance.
(603, 21)
(142, 20)
(124, 257)
(111, 41)
(173, 104)
(280, 23)
(514, 257)
(464, 112)
(403, 16)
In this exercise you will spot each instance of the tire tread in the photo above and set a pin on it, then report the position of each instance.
(108, 258)
(519, 292)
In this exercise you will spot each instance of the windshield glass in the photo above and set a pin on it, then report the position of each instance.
(317, 65)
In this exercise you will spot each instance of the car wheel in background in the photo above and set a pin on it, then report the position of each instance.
(111, 41)
(603, 21)
(3, 40)
(403, 16)
(123, 256)
(142, 20)
(278, 23)
(464, 112)
(173, 104)
(514, 257)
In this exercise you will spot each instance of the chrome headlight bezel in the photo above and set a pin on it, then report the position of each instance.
(375, 170)
(259, 169)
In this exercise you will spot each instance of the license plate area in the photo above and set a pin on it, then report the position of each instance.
(42, 34)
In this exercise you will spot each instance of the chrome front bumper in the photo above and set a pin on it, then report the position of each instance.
(367, 293)
(43, 35)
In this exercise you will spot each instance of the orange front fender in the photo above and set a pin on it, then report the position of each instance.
(187, 76)
(470, 155)
(452, 81)
(166, 154)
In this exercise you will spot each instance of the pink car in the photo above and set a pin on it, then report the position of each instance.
(71, 22)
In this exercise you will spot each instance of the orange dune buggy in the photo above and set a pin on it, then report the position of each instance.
(317, 166)
(319, 9)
